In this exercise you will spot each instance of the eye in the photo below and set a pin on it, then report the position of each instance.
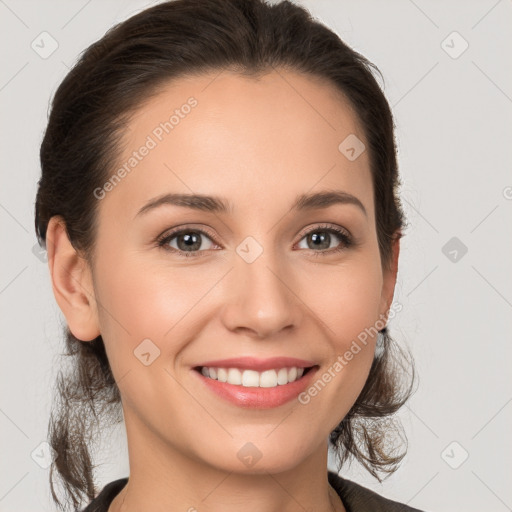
(321, 237)
(189, 242)
(186, 242)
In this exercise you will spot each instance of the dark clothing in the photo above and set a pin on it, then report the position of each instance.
(355, 497)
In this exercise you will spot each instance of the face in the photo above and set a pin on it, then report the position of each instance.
(179, 287)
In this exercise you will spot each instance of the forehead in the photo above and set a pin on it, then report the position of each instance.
(245, 138)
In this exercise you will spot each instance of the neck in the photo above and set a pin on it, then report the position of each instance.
(163, 479)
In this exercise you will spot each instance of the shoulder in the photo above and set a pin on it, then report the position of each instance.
(106, 496)
(357, 498)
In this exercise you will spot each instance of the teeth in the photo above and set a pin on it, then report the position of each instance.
(268, 379)
(252, 378)
(222, 375)
(282, 376)
(234, 376)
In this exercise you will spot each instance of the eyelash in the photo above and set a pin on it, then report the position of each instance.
(163, 240)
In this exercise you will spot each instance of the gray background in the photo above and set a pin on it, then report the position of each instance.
(453, 114)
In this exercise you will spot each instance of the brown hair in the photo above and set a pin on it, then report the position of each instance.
(81, 146)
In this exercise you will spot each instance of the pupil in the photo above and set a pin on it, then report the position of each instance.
(190, 241)
(322, 238)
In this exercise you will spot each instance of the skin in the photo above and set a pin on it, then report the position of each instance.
(259, 144)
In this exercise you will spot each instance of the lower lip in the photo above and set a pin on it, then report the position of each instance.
(258, 398)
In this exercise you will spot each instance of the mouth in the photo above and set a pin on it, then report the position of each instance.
(257, 384)
(249, 378)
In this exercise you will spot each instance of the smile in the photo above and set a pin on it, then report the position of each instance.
(254, 379)
(266, 384)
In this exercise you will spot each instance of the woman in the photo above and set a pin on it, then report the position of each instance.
(219, 204)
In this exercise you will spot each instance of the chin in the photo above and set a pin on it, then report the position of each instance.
(259, 456)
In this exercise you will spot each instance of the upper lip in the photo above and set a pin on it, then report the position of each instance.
(254, 363)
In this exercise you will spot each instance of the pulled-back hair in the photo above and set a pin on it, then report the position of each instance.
(81, 147)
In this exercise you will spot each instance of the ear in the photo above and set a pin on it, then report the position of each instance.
(389, 278)
(71, 282)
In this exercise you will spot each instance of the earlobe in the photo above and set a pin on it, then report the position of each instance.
(390, 275)
(71, 282)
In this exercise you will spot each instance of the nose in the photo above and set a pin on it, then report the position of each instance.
(262, 301)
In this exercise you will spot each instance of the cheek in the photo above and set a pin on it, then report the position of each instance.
(346, 298)
(143, 302)
(157, 303)
(348, 306)
(142, 310)
(144, 297)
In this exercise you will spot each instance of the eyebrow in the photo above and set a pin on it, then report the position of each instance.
(217, 204)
